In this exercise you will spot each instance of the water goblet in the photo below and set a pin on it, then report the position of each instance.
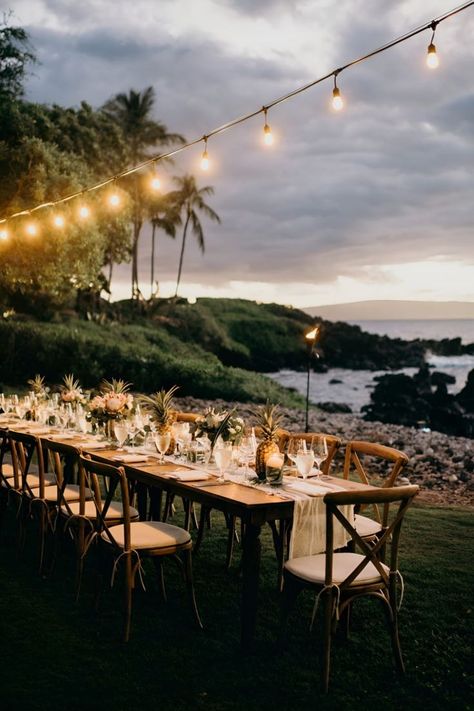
(304, 462)
(121, 434)
(223, 457)
(319, 448)
(162, 442)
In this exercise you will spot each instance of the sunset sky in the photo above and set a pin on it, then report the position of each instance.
(373, 202)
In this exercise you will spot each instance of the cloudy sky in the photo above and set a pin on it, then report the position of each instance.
(373, 202)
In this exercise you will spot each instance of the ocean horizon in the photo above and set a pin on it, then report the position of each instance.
(429, 329)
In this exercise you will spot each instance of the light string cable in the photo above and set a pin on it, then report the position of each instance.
(431, 25)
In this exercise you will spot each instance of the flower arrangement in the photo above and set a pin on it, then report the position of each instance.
(71, 391)
(223, 424)
(114, 402)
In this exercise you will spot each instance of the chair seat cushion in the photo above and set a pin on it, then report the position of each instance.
(7, 471)
(313, 569)
(150, 534)
(366, 526)
(114, 512)
(34, 480)
(71, 493)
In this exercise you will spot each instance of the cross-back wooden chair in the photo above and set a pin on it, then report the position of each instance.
(361, 459)
(10, 482)
(341, 578)
(131, 541)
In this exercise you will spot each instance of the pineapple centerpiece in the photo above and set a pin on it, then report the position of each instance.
(269, 420)
(160, 407)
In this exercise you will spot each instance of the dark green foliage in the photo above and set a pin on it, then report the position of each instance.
(56, 650)
(15, 56)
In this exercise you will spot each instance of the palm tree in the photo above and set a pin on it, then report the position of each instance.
(164, 214)
(190, 199)
(132, 112)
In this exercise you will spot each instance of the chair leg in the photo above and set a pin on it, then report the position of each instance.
(278, 545)
(188, 569)
(230, 541)
(328, 629)
(158, 563)
(291, 590)
(128, 596)
(392, 615)
(203, 518)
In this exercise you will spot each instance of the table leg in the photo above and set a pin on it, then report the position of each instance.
(142, 500)
(251, 573)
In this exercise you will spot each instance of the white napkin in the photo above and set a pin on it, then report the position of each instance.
(92, 444)
(59, 437)
(306, 487)
(130, 458)
(188, 475)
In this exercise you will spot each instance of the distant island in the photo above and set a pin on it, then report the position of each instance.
(394, 310)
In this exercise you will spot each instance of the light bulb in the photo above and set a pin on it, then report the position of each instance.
(432, 60)
(58, 221)
(84, 212)
(31, 229)
(267, 135)
(114, 200)
(155, 182)
(205, 160)
(3, 234)
(337, 101)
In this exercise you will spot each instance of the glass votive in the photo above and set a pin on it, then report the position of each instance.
(274, 469)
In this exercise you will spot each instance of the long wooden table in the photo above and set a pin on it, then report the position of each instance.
(252, 506)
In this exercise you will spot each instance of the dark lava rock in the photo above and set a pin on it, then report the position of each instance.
(335, 381)
(466, 397)
(334, 407)
(437, 378)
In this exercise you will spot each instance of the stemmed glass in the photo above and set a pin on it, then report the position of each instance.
(304, 462)
(320, 451)
(293, 446)
(162, 442)
(247, 452)
(121, 434)
(223, 457)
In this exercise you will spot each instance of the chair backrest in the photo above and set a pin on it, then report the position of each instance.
(24, 448)
(333, 444)
(190, 417)
(362, 458)
(403, 495)
(107, 482)
(5, 449)
(64, 460)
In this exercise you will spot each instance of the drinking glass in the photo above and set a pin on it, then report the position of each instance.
(162, 442)
(293, 446)
(121, 434)
(223, 457)
(304, 462)
(247, 452)
(320, 450)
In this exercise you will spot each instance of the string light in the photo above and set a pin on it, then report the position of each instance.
(155, 182)
(337, 103)
(267, 131)
(3, 234)
(84, 212)
(205, 156)
(31, 229)
(432, 60)
(337, 100)
(58, 221)
(114, 200)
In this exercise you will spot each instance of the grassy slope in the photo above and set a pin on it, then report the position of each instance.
(58, 655)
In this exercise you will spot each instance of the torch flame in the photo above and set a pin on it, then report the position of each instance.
(312, 335)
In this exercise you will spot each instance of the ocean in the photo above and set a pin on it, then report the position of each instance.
(354, 386)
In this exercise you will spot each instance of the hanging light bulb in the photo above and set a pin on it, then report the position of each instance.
(58, 221)
(432, 60)
(155, 182)
(31, 229)
(337, 100)
(3, 234)
(84, 212)
(205, 156)
(267, 131)
(114, 200)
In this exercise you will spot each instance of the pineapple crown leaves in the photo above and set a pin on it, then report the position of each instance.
(269, 419)
(70, 383)
(117, 386)
(160, 404)
(37, 384)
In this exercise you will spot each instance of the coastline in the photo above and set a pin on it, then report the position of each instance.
(442, 465)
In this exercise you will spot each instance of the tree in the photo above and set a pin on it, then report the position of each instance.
(132, 112)
(15, 55)
(190, 198)
(164, 214)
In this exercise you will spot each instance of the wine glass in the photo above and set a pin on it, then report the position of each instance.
(304, 462)
(223, 457)
(247, 452)
(121, 434)
(162, 442)
(294, 445)
(320, 450)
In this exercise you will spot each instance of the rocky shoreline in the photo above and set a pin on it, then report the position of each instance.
(442, 465)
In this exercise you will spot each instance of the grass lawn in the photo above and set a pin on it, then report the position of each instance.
(58, 655)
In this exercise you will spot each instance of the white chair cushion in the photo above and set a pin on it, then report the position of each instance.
(7, 470)
(71, 493)
(366, 526)
(313, 568)
(114, 512)
(150, 534)
(34, 480)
